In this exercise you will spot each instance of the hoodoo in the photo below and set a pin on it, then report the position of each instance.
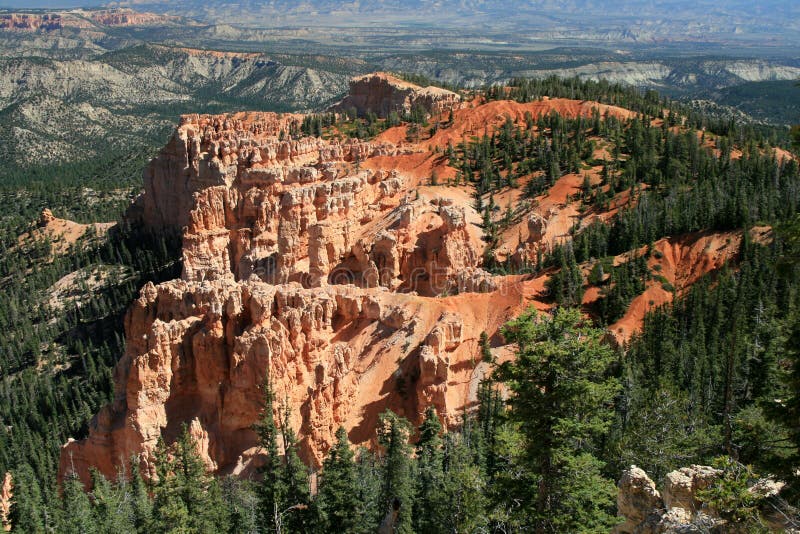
(310, 261)
(333, 268)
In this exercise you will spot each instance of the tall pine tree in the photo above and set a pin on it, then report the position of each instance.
(186, 499)
(430, 479)
(561, 399)
(272, 489)
(295, 517)
(397, 491)
(337, 501)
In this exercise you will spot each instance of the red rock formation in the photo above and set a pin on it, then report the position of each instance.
(680, 262)
(127, 17)
(21, 21)
(46, 217)
(381, 93)
(80, 19)
(301, 265)
(197, 352)
(324, 265)
(61, 233)
(6, 494)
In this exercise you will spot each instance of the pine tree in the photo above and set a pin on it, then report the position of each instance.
(561, 395)
(77, 510)
(486, 348)
(111, 505)
(185, 498)
(661, 433)
(338, 501)
(369, 477)
(787, 412)
(242, 501)
(142, 506)
(295, 516)
(28, 510)
(397, 491)
(491, 416)
(566, 285)
(213, 514)
(169, 511)
(272, 489)
(461, 501)
(430, 479)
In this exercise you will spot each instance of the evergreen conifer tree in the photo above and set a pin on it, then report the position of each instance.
(397, 491)
(337, 501)
(111, 505)
(295, 516)
(561, 395)
(77, 509)
(486, 348)
(142, 506)
(242, 502)
(461, 502)
(369, 477)
(272, 489)
(185, 498)
(28, 510)
(430, 479)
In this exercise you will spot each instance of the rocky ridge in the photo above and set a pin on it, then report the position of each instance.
(61, 233)
(383, 93)
(330, 266)
(58, 20)
(129, 98)
(22, 21)
(302, 266)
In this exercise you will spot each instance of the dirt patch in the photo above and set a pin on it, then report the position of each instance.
(61, 233)
(77, 287)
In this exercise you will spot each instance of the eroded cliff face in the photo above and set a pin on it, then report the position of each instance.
(331, 268)
(47, 22)
(381, 93)
(350, 292)
(21, 21)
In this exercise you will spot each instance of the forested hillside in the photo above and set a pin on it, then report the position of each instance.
(711, 373)
(57, 357)
(56, 110)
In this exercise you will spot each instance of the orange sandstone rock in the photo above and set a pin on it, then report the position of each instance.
(326, 266)
(351, 294)
(6, 494)
(381, 93)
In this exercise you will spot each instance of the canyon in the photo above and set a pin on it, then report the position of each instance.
(71, 77)
(335, 269)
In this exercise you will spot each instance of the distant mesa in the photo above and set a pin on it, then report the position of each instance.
(127, 17)
(382, 93)
(80, 19)
(21, 21)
